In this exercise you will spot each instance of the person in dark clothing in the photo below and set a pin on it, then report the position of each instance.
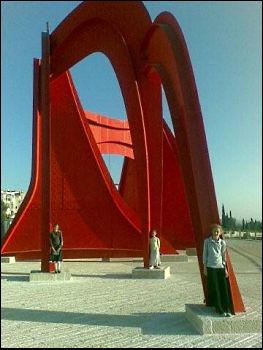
(214, 260)
(56, 244)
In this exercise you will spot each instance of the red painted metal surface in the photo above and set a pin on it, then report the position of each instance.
(45, 147)
(112, 136)
(166, 181)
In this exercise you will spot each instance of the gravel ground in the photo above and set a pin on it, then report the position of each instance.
(102, 306)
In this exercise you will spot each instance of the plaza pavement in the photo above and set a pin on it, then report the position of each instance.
(102, 306)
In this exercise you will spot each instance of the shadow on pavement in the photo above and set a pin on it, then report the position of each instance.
(106, 275)
(173, 323)
(15, 276)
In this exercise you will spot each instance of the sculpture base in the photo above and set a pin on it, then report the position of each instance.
(191, 251)
(142, 272)
(207, 321)
(8, 259)
(38, 276)
(174, 258)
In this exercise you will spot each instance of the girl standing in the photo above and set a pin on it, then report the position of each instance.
(56, 243)
(155, 260)
(214, 260)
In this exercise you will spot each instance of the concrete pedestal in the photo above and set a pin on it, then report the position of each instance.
(141, 272)
(121, 259)
(174, 258)
(190, 251)
(8, 259)
(207, 321)
(38, 276)
(117, 259)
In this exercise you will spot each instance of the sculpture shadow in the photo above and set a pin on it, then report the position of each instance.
(169, 323)
(106, 275)
(15, 276)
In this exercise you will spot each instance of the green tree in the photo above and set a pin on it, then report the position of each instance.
(243, 224)
(259, 226)
(232, 222)
(223, 217)
(251, 225)
(226, 222)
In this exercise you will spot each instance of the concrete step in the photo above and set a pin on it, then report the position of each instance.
(141, 272)
(39, 276)
(207, 321)
(8, 259)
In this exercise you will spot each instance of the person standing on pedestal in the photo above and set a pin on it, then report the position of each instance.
(155, 260)
(56, 244)
(215, 269)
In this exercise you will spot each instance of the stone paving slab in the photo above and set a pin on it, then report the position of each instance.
(103, 306)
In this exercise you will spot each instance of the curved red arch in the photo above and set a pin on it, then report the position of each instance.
(166, 51)
(70, 181)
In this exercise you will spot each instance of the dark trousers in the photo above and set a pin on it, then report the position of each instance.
(218, 290)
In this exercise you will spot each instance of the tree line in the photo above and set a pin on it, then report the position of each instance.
(229, 223)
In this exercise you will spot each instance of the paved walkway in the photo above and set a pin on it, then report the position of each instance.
(102, 306)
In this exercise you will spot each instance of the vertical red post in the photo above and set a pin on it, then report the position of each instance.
(149, 84)
(45, 151)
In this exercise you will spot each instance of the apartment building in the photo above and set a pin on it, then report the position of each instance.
(13, 200)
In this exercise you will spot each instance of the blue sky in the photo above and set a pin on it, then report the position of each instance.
(224, 41)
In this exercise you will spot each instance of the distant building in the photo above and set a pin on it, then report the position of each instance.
(13, 200)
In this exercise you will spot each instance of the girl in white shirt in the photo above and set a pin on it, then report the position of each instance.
(214, 260)
(155, 260)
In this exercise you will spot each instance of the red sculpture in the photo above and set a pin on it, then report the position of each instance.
(166, 181)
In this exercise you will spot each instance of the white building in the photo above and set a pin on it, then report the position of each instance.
(12, 199)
